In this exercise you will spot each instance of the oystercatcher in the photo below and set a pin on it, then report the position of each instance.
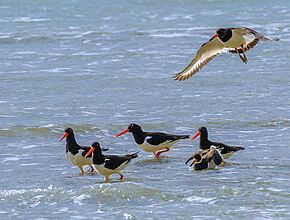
(76, 153)
(109, 164)
(204, 144)
(153, 141)
(234, 40)
(204, 159)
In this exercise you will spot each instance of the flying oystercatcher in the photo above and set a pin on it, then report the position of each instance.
(234, 40)
(153, 141)
(109, 164)
(204, 159)
(204, 144)
(76, 153)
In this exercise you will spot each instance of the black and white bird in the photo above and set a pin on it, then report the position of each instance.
(204, 159)
(205, 144)
(155, 142)
(76, 153)
(233, 40)
(107, 165)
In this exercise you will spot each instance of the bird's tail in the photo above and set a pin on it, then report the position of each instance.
(238, 148)
(134, 155)
(182, 136)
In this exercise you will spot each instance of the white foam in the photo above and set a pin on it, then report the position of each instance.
(78, 200)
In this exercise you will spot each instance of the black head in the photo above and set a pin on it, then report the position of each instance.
(134, 127)
(202, 130)
(197, 158)
(221, 32)
(68, 133)
(69, 130)
(95, 148)
(224, 34)
(96, 145)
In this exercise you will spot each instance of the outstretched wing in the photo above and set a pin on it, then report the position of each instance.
(204, 55)
(244, 31)
(215, 156)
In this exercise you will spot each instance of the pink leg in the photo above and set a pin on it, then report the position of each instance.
(92, 169)
(122, 177)
(160, 152)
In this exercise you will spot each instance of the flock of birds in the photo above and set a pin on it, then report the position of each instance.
(211, 154)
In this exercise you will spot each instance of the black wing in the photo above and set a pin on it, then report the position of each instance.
(224, 149)
(112, 162)
(156, 138)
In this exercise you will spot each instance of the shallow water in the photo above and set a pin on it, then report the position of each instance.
(97, 66)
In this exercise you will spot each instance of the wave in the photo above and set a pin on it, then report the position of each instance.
(24, 37)
(163, 126)
(258, 123)
(47, 130)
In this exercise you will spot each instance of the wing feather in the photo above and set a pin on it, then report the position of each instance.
(254, 34)
(204, 55)
(250, 43)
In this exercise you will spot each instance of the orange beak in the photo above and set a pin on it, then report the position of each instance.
(214, 37)
(194, 161)
(65, 135)
(198, 133)
(91, 150)
(123, 132)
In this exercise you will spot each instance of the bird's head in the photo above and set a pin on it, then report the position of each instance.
(68, 131)
(131, 128)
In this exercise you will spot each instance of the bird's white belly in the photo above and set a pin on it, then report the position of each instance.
(154, 148)
(78, 159)
(107, 172)
(211, 165)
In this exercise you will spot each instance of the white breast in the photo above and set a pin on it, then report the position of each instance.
(107, 172)
(78, 159)
(211, 165)
(153, 148)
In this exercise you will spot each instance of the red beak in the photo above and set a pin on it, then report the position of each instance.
(214, 37)
(91, 150)
(63, 137)
(123, 132)
(198, 133)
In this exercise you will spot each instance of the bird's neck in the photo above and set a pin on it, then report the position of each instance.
(204, 143)
(98, 157)
(139, 136)
(71, 144)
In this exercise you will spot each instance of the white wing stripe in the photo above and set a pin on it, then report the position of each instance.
(204, 55)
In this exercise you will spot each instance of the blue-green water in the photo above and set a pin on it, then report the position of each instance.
(96, 66)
